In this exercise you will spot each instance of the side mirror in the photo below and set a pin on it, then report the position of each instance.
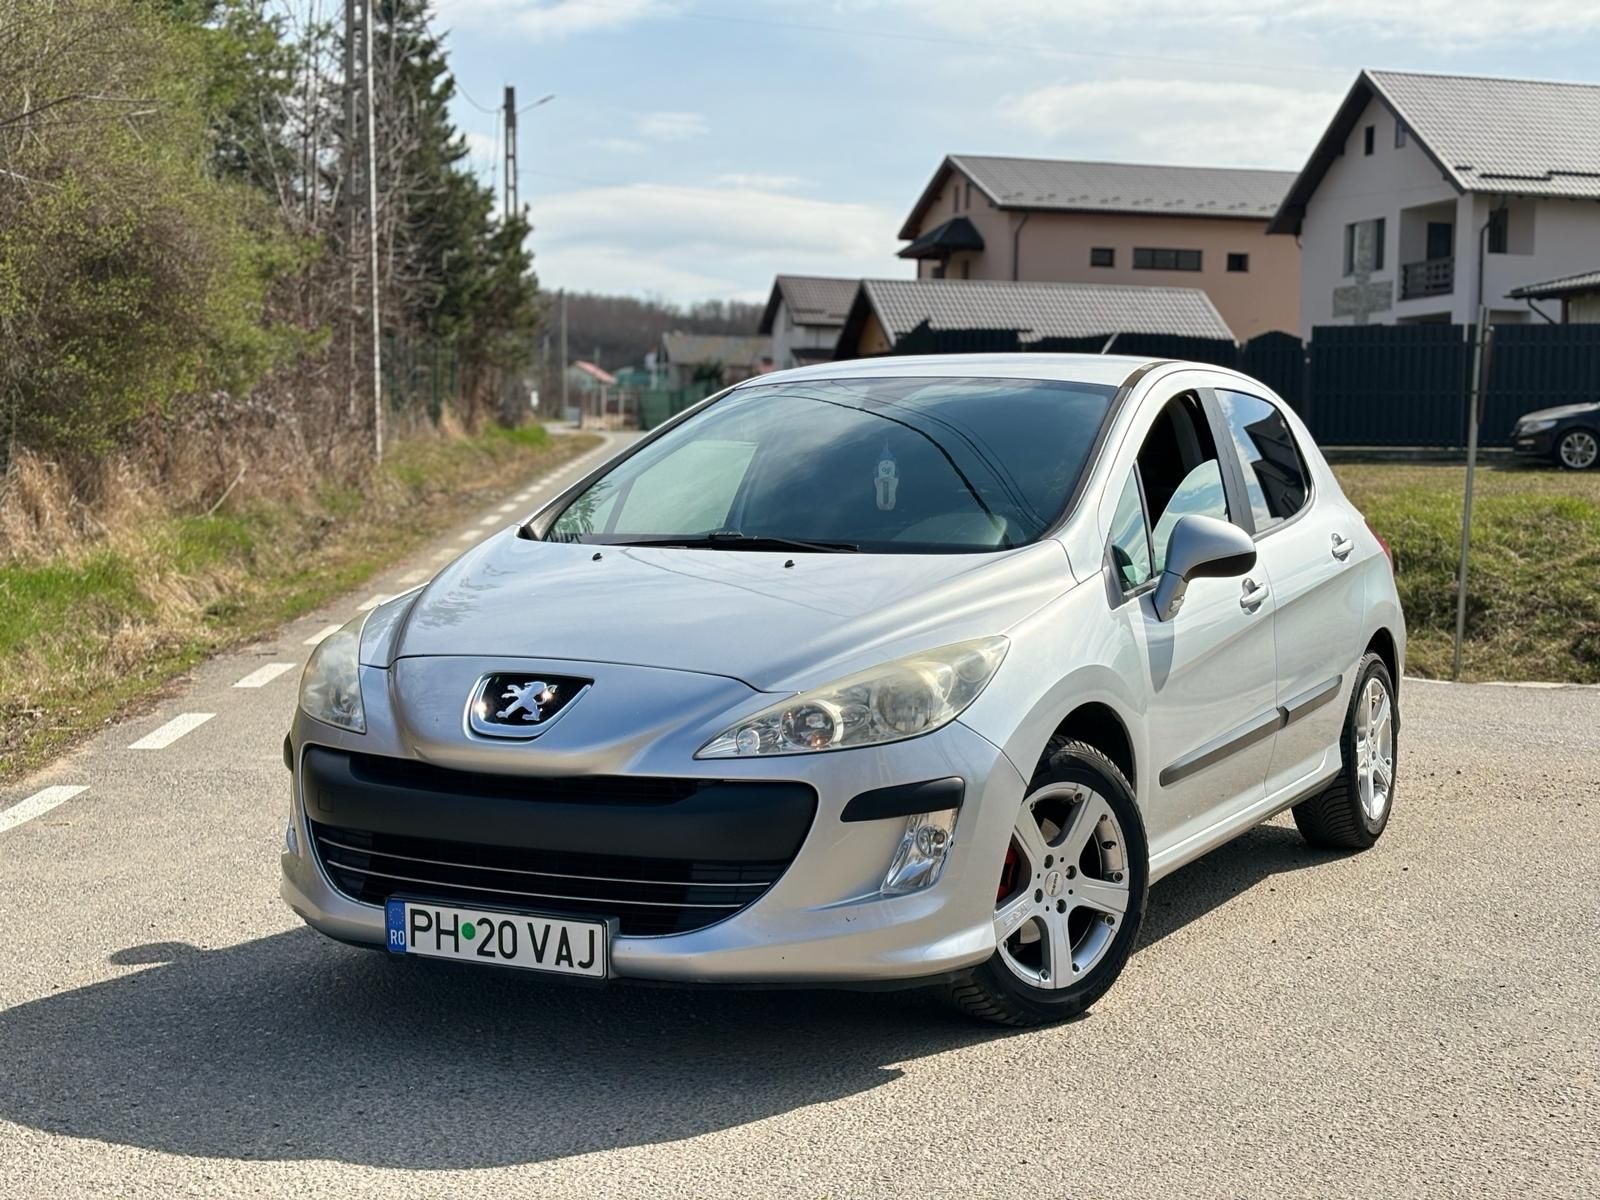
(1200, 548)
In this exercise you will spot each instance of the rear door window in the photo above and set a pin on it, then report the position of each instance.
(1275, 477)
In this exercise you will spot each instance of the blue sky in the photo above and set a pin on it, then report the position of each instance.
(695, 149)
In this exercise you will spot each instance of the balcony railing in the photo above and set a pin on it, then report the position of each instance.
(1430, 277)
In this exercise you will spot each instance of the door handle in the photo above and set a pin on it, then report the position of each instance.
(1253, 597)
(1342, 547)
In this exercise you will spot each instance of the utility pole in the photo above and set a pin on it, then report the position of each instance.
(509, 207)
(372, 243)
(1480, 380)
(347, 197)
(361, 188)
(564, 359)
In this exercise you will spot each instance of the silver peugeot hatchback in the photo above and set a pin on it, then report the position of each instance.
(896, 672)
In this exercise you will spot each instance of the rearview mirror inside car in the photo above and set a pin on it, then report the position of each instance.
(1200, 547)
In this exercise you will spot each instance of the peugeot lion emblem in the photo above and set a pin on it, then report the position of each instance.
(520, 706)
(526, 700)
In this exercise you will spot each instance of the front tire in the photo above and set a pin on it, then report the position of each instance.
(1578, 449)
(1071, 894)
(1352, 811)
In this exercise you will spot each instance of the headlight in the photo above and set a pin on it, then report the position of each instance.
(330, 688)
(888, 703)
(1536, 426)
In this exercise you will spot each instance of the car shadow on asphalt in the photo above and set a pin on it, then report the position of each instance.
(294, 1047)
(1209, 882)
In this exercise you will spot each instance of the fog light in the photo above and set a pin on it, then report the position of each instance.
(920, 857)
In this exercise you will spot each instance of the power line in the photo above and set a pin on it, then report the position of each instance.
(465, 95)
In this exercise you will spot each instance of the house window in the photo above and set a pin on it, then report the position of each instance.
(968, 204)
(1239, 262)
(937, 272)
(1498, 229)
(1368, 136)
(966, 268)
(1102, 256)
(1363, 246)
(1146, 258)
(1399, 133)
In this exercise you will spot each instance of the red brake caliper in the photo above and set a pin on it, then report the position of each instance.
(1008, 873)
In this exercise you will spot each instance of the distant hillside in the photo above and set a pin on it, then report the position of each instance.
(618, 331)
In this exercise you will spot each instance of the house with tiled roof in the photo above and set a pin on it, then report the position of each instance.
(899, 315)
(1576, 296)
(712, 357)
(1430, 195)
(983, 217)
(803, 317)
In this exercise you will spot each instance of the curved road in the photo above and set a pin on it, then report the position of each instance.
(1418, 1020)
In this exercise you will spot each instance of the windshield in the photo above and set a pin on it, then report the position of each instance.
(877, 465)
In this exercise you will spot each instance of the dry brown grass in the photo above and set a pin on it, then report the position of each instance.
(115, 577)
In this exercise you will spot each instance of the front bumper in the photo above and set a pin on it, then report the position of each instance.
(822, 921)
(1535, 445)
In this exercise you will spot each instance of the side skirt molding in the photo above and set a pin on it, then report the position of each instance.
(1251, 732)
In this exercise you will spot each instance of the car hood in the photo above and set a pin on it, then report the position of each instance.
(1564, 410)
(741, 614)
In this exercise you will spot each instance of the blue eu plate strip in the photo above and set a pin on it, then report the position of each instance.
(395, 912)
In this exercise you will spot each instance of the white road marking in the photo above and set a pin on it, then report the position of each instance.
(174, 729)
(524, 497)
(372, 602)
(505, 508)
(491, 519)
(471, 535)
(262, 676)
(317, 638)
(39, 803)
(413, 577)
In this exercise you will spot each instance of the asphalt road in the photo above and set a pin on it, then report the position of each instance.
(1417, 1020)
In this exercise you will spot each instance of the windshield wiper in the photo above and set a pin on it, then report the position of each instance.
(732, 539)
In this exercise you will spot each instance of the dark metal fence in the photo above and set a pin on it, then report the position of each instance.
(1365, 385)
(1389, 385)
(1539, 366)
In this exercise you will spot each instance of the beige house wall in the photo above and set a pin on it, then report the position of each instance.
(1583, 310)
(1054, 246)
(873, 339)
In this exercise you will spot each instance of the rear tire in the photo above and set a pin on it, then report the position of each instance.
(1078, 882)
(1352, 811)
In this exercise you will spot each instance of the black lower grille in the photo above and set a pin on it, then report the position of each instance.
(661, 856)
(648, 896)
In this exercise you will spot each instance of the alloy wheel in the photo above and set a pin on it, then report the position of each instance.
(1579, 449)
(1374, 731)
(1064, 890)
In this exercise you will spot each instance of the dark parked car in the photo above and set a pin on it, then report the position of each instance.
(1569, 434)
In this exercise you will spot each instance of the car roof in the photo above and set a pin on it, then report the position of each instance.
(1110, 369)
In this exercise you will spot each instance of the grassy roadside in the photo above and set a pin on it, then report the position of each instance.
(1533, 587)
(90, 634)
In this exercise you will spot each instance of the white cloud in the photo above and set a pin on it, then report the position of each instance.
(691, 242)
(1179, 121)
(483, 149)
(762, 183)
(617, 145)
(551, 19)
(672, 126)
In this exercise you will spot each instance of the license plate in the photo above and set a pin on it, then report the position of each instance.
(507, 939)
